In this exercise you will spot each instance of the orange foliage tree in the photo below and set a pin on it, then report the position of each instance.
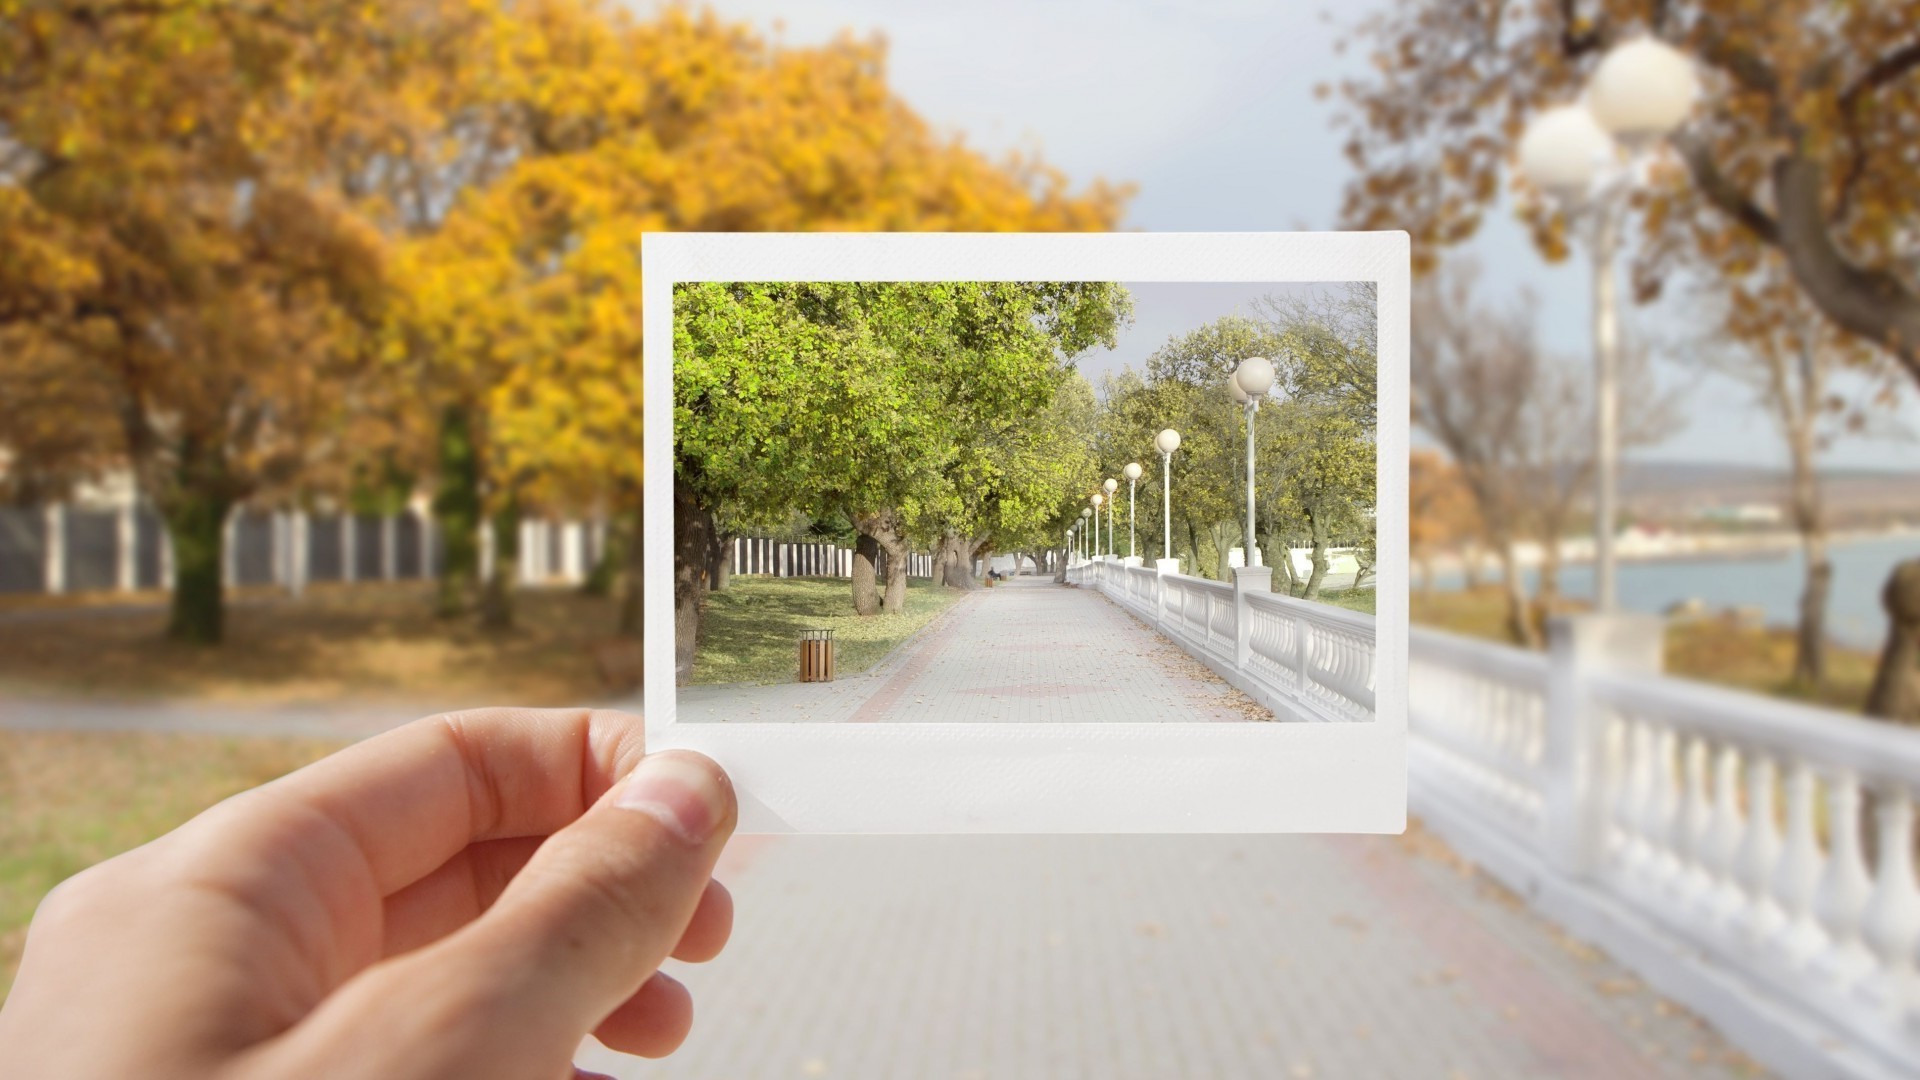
(175, 294)
(523, 308)
(1801, 152)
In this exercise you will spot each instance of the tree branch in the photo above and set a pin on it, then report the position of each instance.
(1721, 191)
(1872, 303)
(1883, 71)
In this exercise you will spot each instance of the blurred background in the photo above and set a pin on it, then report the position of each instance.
(320, 408)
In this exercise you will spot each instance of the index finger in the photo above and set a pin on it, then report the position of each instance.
(408, 800)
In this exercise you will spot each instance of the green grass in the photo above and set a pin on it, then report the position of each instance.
(751, 630)
(1360, 600)
(69, 800)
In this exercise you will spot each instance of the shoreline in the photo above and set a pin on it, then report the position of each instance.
(1670, 548)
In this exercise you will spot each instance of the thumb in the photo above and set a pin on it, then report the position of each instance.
(576, 932)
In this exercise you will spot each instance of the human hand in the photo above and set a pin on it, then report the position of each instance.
(468, 895)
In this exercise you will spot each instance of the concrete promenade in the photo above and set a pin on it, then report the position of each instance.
(1158, 958)
(1024, 652)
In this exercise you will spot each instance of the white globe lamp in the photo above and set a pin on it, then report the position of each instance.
(1642, 90)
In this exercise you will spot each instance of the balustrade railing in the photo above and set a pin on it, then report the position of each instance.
(1755, 856)
(1305, 661)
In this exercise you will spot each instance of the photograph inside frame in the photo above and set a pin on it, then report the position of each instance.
(1025, 502)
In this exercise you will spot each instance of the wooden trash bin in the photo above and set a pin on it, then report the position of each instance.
(816, 656)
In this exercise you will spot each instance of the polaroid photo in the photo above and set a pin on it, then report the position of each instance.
(970, 533)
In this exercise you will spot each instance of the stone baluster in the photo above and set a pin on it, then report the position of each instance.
(1759, 851)
(1695, 827)
(1663, 808)
(1890, 926)
(1635, 793)
(1796, 880)
(1727, 899)
(1845, 886)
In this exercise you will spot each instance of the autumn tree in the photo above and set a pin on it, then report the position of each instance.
(1440, 512)
(175, 282)
(1515, 420)
(1769, 336)
(681, 122)
(1801, 148)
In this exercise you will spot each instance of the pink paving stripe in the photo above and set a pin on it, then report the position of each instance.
(890, 692)
(1566, 1038)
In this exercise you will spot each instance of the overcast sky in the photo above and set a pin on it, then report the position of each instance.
(1209, 108)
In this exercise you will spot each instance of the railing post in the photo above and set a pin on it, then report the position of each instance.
(299, 553)
(1162, 568)
(54, 549)
(1246, 579)
(1578, 647)
(125, 547)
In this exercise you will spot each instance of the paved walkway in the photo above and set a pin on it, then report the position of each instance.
(1025, 652)
(1155, 957)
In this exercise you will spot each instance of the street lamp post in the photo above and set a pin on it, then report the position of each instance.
(1166, 442)
(1132, 471)
(1097, 499)
(1640, 93)
(1086, 549)
(1109, 486)
(1250, 382)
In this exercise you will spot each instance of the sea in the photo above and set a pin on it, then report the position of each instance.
(1768, 582)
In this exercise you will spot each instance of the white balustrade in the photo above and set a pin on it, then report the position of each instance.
(1304, 661)
(1756, 856)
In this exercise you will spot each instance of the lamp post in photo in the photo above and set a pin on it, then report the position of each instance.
(1166, 442)
(1110, 485)
(1250, 382)
(1086, 548)
(1590, 156)
(1132, 471)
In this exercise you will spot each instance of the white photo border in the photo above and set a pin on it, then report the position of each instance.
(1045, 778)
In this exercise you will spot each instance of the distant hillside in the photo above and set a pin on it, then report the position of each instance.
(1854, 496)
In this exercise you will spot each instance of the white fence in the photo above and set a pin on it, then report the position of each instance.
(67, 549)
(779, 558)
(1751, 858)
(1304, 661)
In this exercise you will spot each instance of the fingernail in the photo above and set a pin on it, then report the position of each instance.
(684, 792)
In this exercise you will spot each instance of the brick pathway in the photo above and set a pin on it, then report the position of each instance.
(1027, 652)
(1154, 957)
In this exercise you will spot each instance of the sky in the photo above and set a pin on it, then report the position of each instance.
(1210, 109)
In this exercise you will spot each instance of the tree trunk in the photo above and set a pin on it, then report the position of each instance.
(456, 512)
(196, 523)
(1059, 561)
(866, 552)
(633, 576)
(898, 554)
(692, 543)
(1320, 561)
(1896, 685)
(888, 532)
(955, 556)
(496, 601)
(1801, 413)
(1519, 623)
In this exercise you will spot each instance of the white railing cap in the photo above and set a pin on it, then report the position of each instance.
(1875, 749)
(1324, 614)
(1486, 658)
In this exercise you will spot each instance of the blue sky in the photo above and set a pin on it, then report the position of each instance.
(1209, 108)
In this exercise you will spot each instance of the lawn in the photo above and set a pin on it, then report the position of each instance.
(752, 628)
(69, 800)
(1360, 600)
(370, 641)
(1711, 650)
